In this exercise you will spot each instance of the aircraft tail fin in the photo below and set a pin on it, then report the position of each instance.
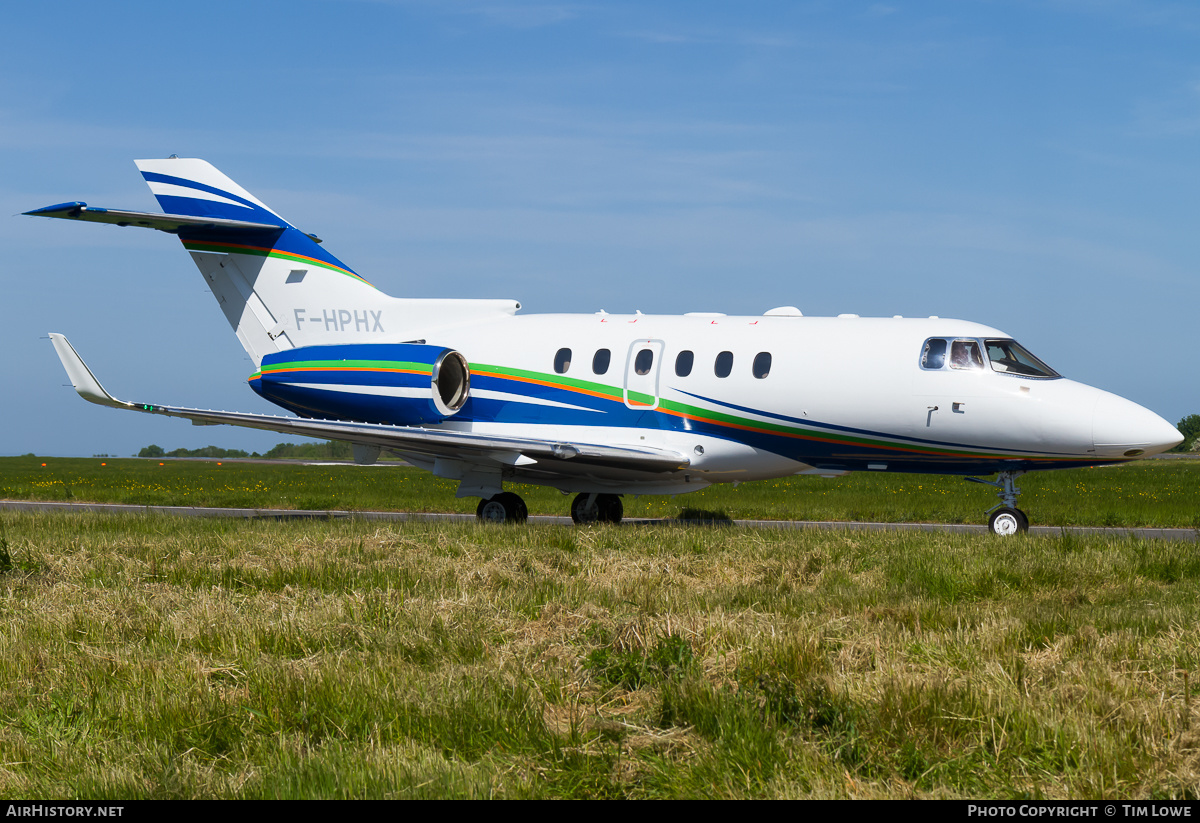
(277, 286)
(196, 187)
(193, 187)
(279, 289)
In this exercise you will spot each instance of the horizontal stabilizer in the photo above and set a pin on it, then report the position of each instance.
(170, 223)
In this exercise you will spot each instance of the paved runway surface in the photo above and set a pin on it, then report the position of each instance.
(541, 519)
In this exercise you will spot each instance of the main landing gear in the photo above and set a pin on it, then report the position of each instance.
(596, 508)
(505, 507)
(1006, 518)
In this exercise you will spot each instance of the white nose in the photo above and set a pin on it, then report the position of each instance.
(1122, 428)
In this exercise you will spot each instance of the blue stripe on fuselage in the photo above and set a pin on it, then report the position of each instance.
(806, 446)
(847, 429)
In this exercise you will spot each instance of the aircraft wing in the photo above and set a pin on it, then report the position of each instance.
(478, 449)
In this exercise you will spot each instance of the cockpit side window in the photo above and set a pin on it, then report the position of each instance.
(965, 354)
(934, 355)
(1010, 357)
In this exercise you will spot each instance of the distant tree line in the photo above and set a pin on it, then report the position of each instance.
(1189, 427)
(329, 450)
(207, 451)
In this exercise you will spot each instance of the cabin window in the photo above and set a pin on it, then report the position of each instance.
(965, 354)
(724, 364)
(1010, 357)
(683, 363)
(762, 364)
(600, 361)
(562, 361)
(643, 361)
(934, 355)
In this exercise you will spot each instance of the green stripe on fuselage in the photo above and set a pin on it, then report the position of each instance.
(724, 418)
(568, 383)
(350, 365)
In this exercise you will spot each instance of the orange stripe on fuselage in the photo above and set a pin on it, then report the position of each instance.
(548, 384)
(794, 435)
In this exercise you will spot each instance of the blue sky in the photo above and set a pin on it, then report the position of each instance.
(1029, 165)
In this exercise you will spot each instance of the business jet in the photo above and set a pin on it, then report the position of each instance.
(604, 405)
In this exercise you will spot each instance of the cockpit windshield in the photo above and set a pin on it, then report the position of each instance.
(1005, 356)
(1009, 357)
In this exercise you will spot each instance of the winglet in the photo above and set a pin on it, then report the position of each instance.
(81, 376)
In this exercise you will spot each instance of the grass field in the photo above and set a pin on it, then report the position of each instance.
(145, 656)
(1159, 493)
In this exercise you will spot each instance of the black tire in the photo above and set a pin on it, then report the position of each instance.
(1006, 522)
(514, 507)
(491, 510)
(582, 513)
(611, 508)
(607, 508)
(505, 507)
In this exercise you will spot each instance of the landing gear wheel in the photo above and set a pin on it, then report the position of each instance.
(611, 509)
(505, 507)
(597, 508)
(1007, 521)
(490, 510)
(585, 510)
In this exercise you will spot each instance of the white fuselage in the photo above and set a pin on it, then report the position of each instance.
(841, 394)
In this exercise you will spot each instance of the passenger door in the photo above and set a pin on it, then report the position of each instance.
(642, 366)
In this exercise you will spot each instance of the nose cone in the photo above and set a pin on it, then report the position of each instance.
(1121, 428)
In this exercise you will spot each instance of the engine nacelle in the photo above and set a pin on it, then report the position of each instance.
(396, 383)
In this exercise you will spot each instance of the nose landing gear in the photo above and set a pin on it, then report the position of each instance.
(1006, 521)
(1006, 518)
